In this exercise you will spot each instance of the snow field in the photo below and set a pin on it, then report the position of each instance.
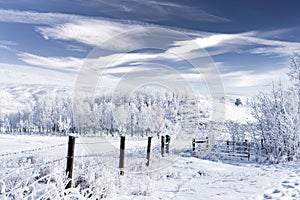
(41, 173)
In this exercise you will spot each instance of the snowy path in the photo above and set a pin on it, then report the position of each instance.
(289, 187)
(192, 178)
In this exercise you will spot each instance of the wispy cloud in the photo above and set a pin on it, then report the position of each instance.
(62, 63)
(152, 10)
(115, 63)
(173, 9)
(248, 42)
(5, 44)
(76, 48)
(92, 32)
(242, 79)
(87, 30)
(26, 74)
(31, 17)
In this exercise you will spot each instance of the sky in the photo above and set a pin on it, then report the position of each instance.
(248, 42)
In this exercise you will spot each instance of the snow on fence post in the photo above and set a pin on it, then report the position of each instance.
(122, 155)
(70, 160)
(148, 150)
(162, 145)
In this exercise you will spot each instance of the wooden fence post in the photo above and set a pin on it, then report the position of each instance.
(167, 144)
(206, 143)
(122, 155)
(148, 150)
(162, 145)
(194, 146)
(246, 145)
(248, 150)
(227, 144)
(70, 160)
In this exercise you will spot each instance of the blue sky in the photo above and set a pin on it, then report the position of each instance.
(47, 42)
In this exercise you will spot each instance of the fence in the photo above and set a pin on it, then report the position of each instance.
(200, 147)
(165, 142)
(221, 149)
(55, 155)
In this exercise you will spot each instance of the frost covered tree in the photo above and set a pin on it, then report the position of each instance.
(277, 116)
(122, 118)
(236, 130)
(272, 115)
(294, 75)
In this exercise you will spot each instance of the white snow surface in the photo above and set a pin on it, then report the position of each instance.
(185, 178)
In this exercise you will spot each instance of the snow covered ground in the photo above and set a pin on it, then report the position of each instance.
(181, 178)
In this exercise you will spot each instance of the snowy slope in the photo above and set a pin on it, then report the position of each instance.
(15, 98)
(240, 114)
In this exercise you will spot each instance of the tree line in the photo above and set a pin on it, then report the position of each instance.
(147, 111)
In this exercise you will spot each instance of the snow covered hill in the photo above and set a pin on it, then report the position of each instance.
(15, 97)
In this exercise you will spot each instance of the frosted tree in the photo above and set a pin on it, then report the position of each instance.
(294, 102)
(122, 118)
(83, 116)
(294, 74)
(275, 115)
(236, 130)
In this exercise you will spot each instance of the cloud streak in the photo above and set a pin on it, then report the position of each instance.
(87, 30)
(243, 79)
(153, 11)
(4, 44)
(62, 63)
(250, 42)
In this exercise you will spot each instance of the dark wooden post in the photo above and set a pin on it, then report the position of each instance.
(122, 155)
(167, 148)
(207, 143)
(227, 143)
(148, 150)
(262, 143)
(248, 150)
(70, 160)
(162, 145)
(167, 144)
(246, 145)
(194, 146)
